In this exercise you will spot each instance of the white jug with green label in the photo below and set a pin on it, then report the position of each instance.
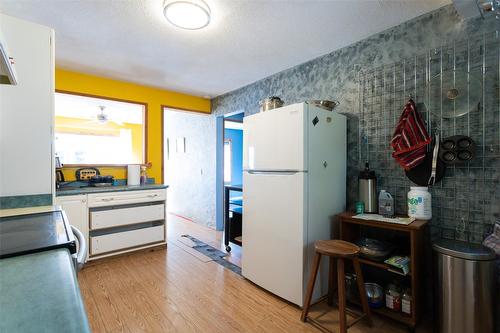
(419, 203)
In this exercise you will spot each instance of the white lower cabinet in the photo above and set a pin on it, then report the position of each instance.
(75, 207)
(118, 222)
(108, 218)
(123, 198)
(126, 239)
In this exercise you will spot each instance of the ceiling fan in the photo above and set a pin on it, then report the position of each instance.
(103, 118)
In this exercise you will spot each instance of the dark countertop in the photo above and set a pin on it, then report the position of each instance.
(118, 188)
(39, 293)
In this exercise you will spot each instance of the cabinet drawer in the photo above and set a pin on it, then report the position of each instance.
(126, 239)
(123, 216)
(123, 198)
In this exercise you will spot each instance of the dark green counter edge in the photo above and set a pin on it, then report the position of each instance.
(119, 188)
(21, 201)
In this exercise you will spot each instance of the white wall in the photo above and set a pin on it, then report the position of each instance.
(191, 175)
(26, 111)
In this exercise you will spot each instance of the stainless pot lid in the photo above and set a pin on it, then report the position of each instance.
(454, 93)
(463, 250)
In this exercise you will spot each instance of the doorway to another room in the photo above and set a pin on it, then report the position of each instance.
(193, 171)
(233, 179)
(189, 150)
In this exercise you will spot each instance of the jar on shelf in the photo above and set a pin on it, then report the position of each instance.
(351, 287)
(393, 297)
(406, 301)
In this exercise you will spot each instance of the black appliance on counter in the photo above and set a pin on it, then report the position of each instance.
(59, 173)
(38, 232)
(59, 178)
(24, 234)
(93, 177)
(101, 180)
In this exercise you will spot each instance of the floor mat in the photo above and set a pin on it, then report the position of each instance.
(186, 241)
(189, 249)
(214, 254)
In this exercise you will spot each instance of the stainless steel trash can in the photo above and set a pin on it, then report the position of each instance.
(465, 287)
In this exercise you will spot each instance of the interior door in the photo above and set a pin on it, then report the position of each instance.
(273, 232)
(274, 140)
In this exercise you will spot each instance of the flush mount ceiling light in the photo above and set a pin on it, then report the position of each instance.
(187, 14)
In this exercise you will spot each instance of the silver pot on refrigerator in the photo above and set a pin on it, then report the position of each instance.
(368, 189)
(270, 103)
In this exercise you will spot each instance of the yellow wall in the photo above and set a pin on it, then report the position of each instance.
(154, 98)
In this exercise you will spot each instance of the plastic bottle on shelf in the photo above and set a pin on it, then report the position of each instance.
(385, 204)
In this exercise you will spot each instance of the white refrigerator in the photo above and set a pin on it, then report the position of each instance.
(294, 182)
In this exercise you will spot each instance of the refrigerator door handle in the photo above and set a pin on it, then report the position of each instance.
(273, 172)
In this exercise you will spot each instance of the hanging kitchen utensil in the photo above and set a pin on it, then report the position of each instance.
(454, 94)
(435, 151)
(422, 173)
(457, 149)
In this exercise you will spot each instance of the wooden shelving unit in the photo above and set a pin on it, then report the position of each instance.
(350, 231)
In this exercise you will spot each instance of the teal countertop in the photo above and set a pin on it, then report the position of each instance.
(39, 293)
(119, 188)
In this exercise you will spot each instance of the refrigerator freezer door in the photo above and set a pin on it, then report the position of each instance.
(273, 233)
(274, 140)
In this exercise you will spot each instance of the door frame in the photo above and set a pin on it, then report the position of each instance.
(219, 176)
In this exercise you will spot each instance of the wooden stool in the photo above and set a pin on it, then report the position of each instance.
(339, 250)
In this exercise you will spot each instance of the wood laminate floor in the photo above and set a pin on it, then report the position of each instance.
(177, 290)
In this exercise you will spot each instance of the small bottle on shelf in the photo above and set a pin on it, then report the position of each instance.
(406, 301)
(144, 175)
(393, 297)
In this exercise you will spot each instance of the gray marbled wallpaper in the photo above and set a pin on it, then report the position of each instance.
(336, 76)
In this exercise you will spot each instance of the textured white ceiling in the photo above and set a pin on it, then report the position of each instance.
(247, 40)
